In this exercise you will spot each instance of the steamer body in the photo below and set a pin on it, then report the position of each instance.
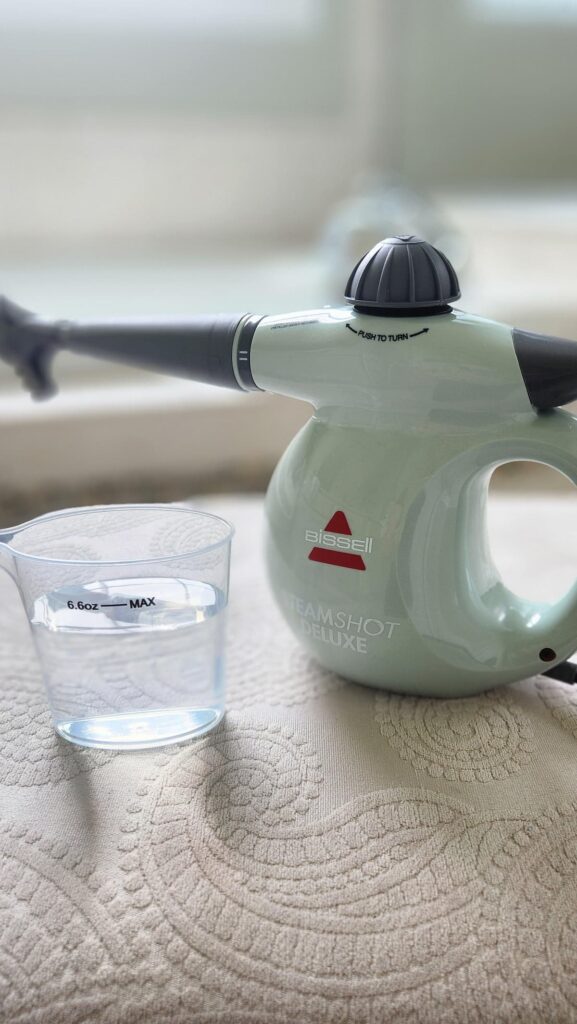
(376, 544)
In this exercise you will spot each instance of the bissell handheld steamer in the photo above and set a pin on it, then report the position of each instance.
(377, 544)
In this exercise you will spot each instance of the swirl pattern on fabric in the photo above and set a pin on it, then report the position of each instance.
(478, 739)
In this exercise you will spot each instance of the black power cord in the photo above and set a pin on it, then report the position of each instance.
(565, 671)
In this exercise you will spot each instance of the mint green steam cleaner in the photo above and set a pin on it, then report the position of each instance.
(377, 545)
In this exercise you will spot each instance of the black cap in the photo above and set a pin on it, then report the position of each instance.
(402, 272)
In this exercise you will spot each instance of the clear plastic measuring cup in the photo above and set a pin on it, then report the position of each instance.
(127, 608)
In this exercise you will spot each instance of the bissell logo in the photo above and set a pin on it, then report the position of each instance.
(335, 545)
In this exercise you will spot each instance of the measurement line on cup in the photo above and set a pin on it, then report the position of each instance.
(123, 605)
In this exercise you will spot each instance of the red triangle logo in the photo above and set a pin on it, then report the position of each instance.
(338, 523)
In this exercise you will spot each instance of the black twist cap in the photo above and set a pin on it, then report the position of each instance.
(403, 273)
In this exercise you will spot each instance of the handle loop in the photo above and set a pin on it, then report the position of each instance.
(453, 591)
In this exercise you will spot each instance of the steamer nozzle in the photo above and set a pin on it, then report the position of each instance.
(210, 349)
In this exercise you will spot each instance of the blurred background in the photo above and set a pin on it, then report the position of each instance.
(174, 156)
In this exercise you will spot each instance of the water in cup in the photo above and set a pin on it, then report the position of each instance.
(132, 662)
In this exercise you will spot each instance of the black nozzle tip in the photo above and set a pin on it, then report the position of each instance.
(28, 344)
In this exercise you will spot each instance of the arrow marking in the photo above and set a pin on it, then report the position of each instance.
(370, 336)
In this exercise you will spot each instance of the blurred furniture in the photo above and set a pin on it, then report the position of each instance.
(330, 854)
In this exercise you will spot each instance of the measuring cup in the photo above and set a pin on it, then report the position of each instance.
(127, 609)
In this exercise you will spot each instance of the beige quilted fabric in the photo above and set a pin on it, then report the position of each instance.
(329, 854)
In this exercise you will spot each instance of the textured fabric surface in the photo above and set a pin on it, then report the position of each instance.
(329, 854)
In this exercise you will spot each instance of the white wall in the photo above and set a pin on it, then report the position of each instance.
(66, 179)
(134, 137)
